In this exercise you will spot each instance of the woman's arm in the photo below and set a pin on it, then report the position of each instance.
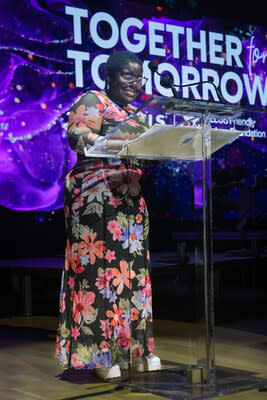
(85, 122)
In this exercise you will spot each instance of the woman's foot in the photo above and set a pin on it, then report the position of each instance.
(124, 365)
(149, 363)
(108, 373)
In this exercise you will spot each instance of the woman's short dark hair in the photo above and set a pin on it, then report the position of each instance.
(118, 59)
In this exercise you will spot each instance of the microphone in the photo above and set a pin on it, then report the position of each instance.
(153, 66)
(165, 82)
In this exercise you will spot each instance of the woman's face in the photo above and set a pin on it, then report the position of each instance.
(121, 90)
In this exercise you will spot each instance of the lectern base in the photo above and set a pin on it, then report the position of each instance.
(174, 383)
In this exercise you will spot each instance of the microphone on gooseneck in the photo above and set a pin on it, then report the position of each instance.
(165, 82)
(153, 66)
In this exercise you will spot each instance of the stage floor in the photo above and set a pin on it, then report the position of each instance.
(29, 371)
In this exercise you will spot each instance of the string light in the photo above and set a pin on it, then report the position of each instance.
(34, 39)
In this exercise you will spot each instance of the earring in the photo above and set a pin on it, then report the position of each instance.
(107, 85)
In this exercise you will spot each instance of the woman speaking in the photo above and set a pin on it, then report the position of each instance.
(106, 297)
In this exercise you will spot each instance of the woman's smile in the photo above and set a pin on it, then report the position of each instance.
(121, 91)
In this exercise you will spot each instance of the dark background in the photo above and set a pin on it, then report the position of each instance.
(248, 12)
(243, 284)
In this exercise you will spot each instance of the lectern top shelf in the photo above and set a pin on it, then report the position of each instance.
(188, 107)
(180, 105)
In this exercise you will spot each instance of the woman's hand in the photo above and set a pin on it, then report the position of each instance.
(116, 144)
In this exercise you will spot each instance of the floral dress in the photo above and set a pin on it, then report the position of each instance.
(105, 298)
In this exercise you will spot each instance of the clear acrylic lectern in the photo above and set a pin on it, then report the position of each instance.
(188, 136)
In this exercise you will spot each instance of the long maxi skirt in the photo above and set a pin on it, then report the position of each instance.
(105, 298)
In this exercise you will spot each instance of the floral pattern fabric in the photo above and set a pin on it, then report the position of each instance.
(106, 297)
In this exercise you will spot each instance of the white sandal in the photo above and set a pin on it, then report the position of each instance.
(149, 363)
(108, 373)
